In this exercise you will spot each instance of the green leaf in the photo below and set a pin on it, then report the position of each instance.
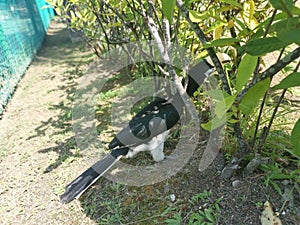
(209, 215)
(263, 24)
(168, 8)
(220, 42)
(253, 95)
(232, 2)
(284, 5)
(248, 14)
(223, 105)
(288, 30)
(47, 7)
(175, 220)
(58, 11)
(215, 25)
(291, 80)
(295, 139)
(78, 14)
(244, 30)
(197, 17)
(232, 121)
(215, 94)
(258, 47)
(214, 123)
(245, 70)
(296, 11)
(223, 102)
(278, 176)
(117, 24)
(276, 187)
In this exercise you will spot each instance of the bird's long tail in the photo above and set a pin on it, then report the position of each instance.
(76, 188)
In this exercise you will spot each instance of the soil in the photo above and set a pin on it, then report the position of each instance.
(38, 157)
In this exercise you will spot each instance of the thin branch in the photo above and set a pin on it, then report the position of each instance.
(134, 9)
(167, 42)
(261, 108)
(270, 23)
(166, 32)
(132, 25)
(263, 140)
(101, 25)
(151, 11)
(243, 146)
(256, 72)
(271, 71)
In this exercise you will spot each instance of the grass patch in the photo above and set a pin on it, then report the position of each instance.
(119, 204)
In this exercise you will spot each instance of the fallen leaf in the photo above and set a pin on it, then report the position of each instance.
(268, 217)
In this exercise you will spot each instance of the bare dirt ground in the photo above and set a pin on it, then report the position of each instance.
(38, 157)
(33, 136)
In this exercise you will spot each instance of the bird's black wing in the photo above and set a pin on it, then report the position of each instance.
(157, 102)
(160, 116)
(140, 130)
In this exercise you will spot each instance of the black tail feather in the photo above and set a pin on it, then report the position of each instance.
(76, 188)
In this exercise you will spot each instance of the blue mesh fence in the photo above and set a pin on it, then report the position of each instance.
(23, 26)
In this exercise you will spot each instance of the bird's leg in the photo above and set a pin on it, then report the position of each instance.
(157, 150)
(158, 153)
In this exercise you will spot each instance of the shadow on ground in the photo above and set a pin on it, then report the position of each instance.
(68, 62)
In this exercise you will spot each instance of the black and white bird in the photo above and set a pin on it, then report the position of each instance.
(146, 131)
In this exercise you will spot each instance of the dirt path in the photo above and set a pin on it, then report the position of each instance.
(35, 135)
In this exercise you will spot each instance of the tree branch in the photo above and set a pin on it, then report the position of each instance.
(265, 134)
(271, 71)
(101, 25)
(262, 106)
(162, 47)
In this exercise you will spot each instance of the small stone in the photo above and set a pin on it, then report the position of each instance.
(236, 183)
(172, 198)
(285, 182)
(166, 188)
